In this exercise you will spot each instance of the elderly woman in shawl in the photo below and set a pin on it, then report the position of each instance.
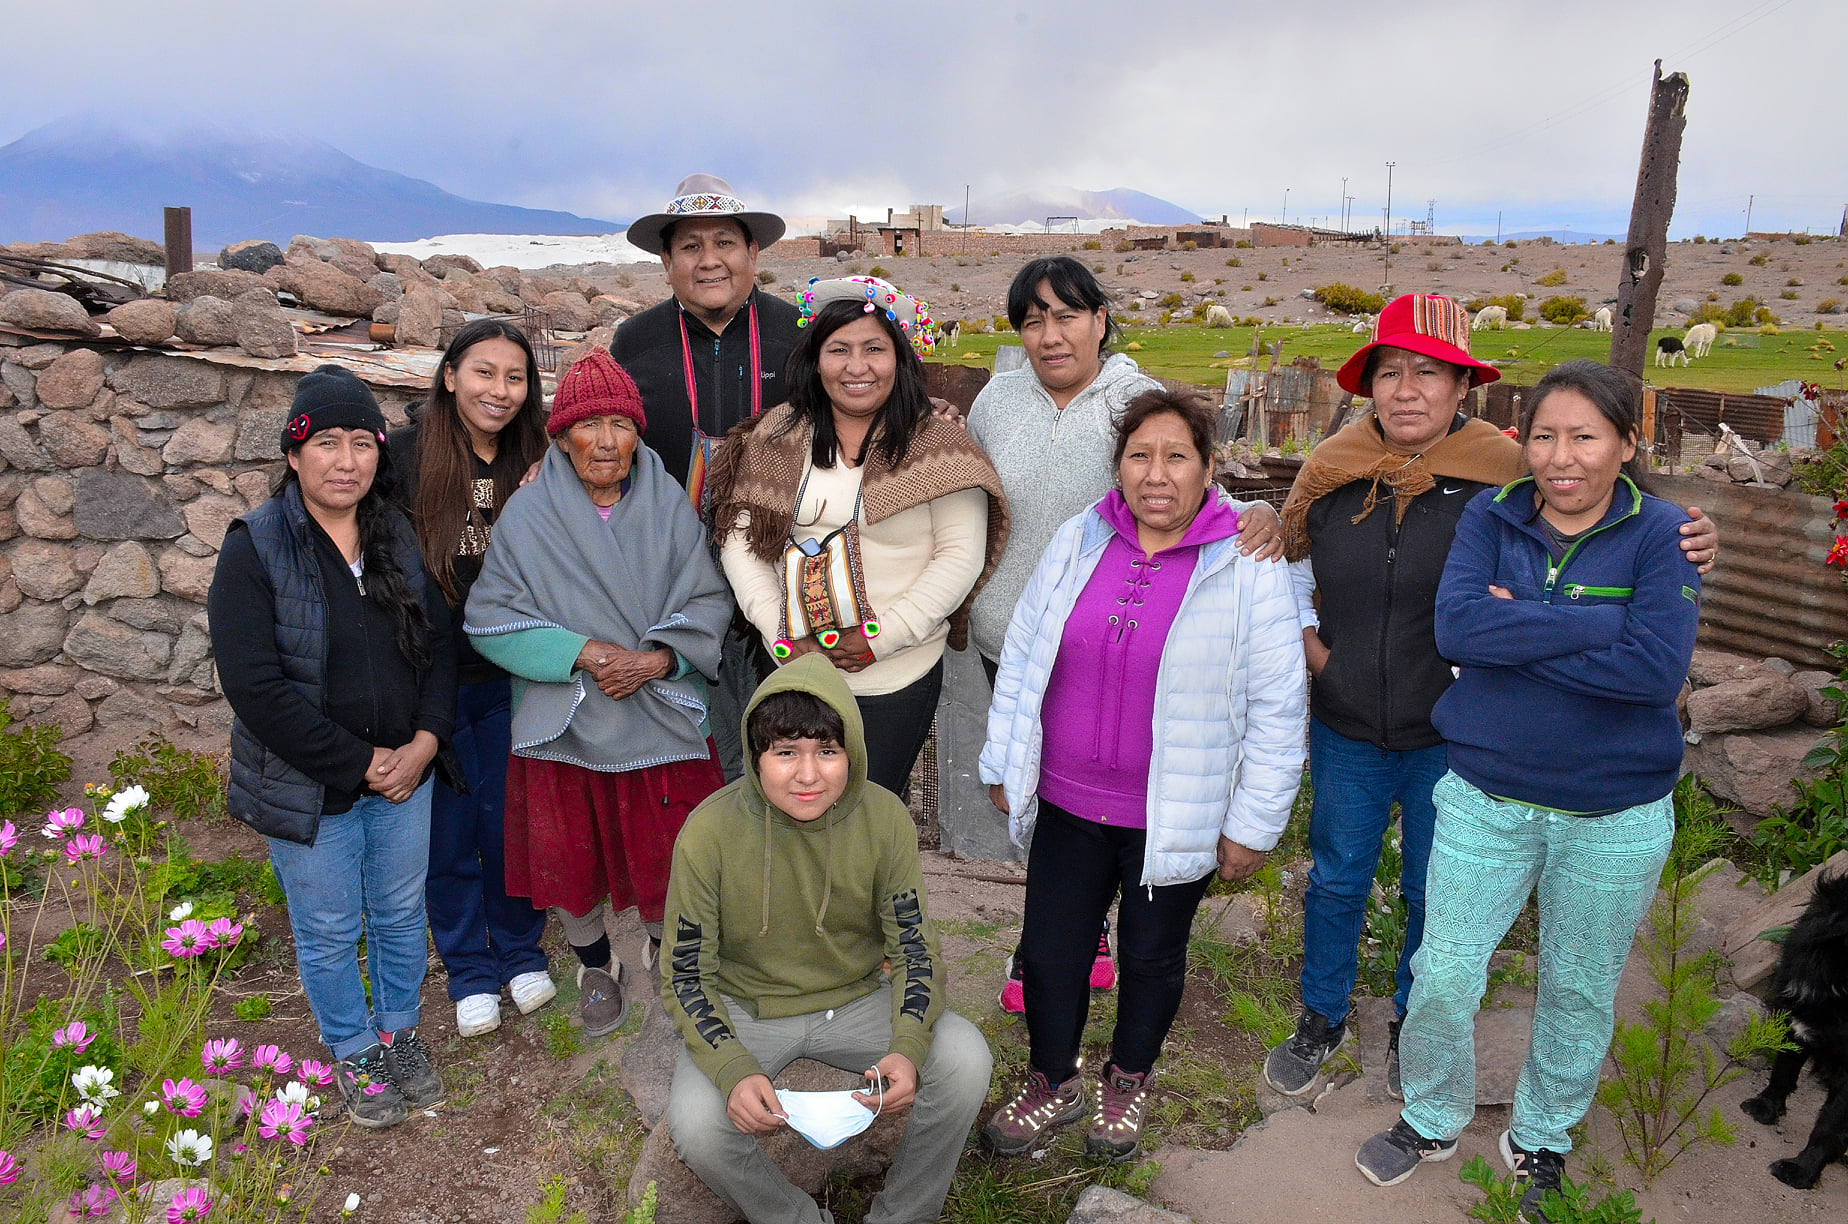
(599, 595)
(1367, 530)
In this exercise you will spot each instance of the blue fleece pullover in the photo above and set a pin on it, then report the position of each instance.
(1566, 696)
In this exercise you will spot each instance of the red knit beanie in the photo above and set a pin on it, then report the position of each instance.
(595, 386)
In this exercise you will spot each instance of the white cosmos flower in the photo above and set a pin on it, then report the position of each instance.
(180, 912)
(93, 1084)
(123, 802)
(150, 1108)
(352, 1204)
(189, 1147)
(294, 1093)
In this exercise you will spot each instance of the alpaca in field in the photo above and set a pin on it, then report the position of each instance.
(1667, 349)
(1602, 320)
(1217, 316)
(1700, 338)
(1490, 316)
(952, 333)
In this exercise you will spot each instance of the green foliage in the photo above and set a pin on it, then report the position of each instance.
(1346, 299)
(1815, 827)
(74, 945)
(1789, 295)
(1186, 277)
(1732, 279)
(1169, 301)
(1563, 310)
(1553, 279)
(1665, 1069)
(1001, 324)
(35, 1075)
(1235, 262)
(1241, 245)
(1747, 311)
(188, 784)
(1515, 973)
(1124, 247)
(560, 1039)
(1513, 303)
(1263, 276)
(31, 767)
(1387, 915)
(766, 277)
(1829, 306)
(1092, 244)
(879, 271)
(253, 1007)
(1707, 312)
(1757, 261)
(550, 1209)
(1570, 1204)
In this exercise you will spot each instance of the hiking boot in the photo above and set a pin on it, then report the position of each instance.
(1291, 1068)
(1038, 1110)
(366, 1089)
(1392, 1156)
(477, 1014)
(1116, 1127)
(1013, 991)
(1539, 1169)
(407, 1063)
(1394, 1088)
(532, 991)
(1103, 969)
(604, 1004)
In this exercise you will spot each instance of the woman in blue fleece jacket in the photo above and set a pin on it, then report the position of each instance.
(1568, 608)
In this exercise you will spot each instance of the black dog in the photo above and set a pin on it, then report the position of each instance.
(1811, 985)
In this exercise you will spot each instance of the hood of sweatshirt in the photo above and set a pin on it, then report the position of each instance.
(1216, 520)
(815, 675)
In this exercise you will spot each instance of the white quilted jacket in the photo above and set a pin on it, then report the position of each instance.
(1230, 702)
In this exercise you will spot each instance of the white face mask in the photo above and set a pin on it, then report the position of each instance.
(826, 1119)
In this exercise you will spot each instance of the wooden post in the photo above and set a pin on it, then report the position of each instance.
(1649, 426)
(179, 240)
(1647, 246)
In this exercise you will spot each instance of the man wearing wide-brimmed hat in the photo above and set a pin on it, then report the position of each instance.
(705, 359)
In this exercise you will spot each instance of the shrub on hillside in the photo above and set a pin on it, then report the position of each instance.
(1513, 303)
(1346, 299)
(1732, 278)
(1563, 310)
(1553, 279)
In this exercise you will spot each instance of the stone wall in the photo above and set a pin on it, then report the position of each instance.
(119, 473)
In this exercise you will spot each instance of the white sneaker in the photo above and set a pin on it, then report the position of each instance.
(651, 952)
(477, 1014)
(532, 991)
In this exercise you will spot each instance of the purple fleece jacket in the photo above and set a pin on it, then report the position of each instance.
(1099, 712)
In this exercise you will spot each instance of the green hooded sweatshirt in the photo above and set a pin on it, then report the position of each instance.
(789, 918)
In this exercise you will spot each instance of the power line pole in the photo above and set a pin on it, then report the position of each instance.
(1647, 246)
(1344, 204)
(965, 241)
(1286, 207)
(1388, 245)
(1498, 227)
(1749, 201)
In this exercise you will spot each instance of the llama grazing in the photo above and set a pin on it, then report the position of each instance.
(1700, 338)
(1490, 316)
(1602, 320)
(1667, 349)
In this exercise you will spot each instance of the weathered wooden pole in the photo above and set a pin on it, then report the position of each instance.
(1647, 246)
(179, 240)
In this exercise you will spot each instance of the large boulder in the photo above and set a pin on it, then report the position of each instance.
(1753, 769)
(72, 441)
(44, 570)
(185, 575)
(353, 248)
(406, 269)
(18, 448)
(420, 317)
(43, 310)
(439, 265)
(569, 311)
(224, 283)
(323, 287)
(251, 255)
(104, 644)
(125, 572)
(206, 320)
(262, 329)
(116, 246)
(32, 634)
(169, 382)
(1759, 700)
(199, 440)
(1102, 1205)
(122, 506)
(72, 381)
(1822, 711)
(148, 321)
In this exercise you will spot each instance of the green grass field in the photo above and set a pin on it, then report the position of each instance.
(1740, 361)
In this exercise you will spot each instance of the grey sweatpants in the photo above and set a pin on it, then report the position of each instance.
(952, 1085)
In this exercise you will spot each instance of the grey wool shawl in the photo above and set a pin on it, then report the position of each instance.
(644, 579)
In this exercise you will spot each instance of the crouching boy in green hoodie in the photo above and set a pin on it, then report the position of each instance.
(793, 889)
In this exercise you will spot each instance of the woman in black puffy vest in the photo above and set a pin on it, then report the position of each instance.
(334, 651)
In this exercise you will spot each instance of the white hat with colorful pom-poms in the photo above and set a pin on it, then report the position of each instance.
(911, 314)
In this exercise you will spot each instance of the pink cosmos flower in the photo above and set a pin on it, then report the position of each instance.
(9, 1169)
(86, 1121)
(58, 824)
(184, 1097)
(118, 1166)
(271, 1058)
(314, 1071)
(9, 837)
(189, 939)
(74, 1035)
(225, 933)
(221, 1056)
(284, 1120)
(82, 848)
(188, 1206)
(92, 1202)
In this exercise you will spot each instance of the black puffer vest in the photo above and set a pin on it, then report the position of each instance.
(267, 793)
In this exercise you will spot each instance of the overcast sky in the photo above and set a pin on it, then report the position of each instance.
(1532, 110)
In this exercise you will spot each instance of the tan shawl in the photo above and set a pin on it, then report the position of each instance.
(1478, 452)
(757, 473)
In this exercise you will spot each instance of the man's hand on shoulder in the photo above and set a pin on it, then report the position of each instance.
(752, 1106)
(901, 1084)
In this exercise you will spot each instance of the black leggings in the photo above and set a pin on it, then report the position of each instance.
(1074, 870)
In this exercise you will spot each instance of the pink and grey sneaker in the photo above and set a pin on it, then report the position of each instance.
(1103, 969)
(1013, 997)
(1116, 1127)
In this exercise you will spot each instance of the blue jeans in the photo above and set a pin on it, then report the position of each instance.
(364, 871)
(485, 937)
(1356, 784)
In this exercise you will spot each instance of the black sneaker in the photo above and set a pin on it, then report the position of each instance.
(1392, 1156)
(1292, 1067)
(407, 1062)
(365, 1087)
(1539, 1170)
(1394, 1088)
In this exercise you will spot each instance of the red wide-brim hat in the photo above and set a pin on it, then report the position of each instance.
(1422, 323)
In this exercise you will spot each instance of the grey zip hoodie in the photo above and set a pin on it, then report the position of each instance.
(1053, 464)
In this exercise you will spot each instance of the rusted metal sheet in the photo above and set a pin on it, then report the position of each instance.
(1293, 402)
(1758, 418)
(1769, 594)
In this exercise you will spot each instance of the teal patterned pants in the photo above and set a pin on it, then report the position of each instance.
(1597, 877)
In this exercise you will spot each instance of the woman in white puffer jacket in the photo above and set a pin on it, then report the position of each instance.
(1147, 727)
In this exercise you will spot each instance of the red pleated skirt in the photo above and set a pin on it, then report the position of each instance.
(576, 836)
